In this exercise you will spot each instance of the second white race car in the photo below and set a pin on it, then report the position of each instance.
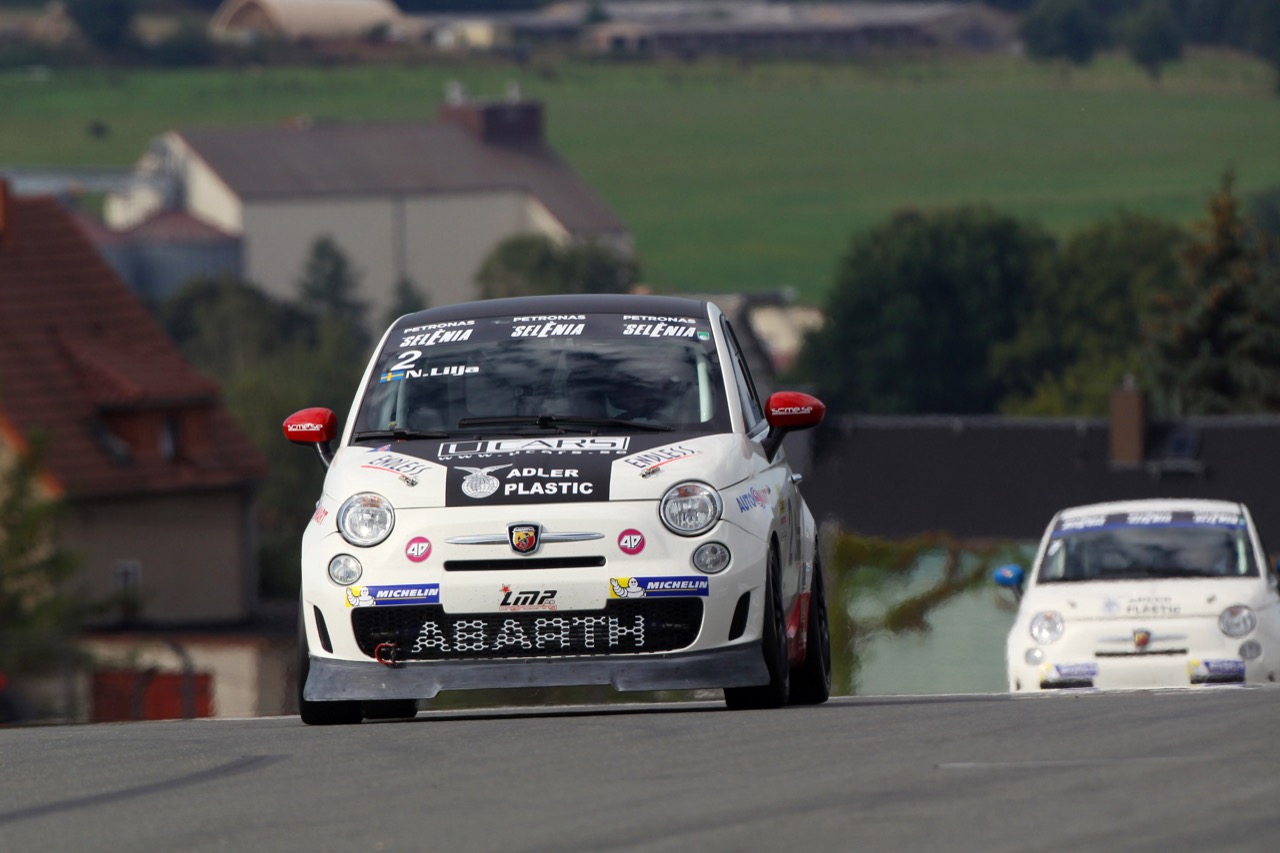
(1149, 593)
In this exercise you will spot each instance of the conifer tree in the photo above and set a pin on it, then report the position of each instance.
(38, 616)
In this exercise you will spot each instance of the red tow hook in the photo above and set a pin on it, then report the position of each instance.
(392, 654)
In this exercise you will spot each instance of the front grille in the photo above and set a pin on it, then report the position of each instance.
(628, 626)
(1156, 653)
(523, 563)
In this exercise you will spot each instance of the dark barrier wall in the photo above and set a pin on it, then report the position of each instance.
(1006, 477)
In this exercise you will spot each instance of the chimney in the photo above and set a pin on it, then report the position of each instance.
(6, 212)
(1128, 425)
(509, 122)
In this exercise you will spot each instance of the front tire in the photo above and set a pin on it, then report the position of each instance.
(811, 681)
(320, 713)
(774, 645)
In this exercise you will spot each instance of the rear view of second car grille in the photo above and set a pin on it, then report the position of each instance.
(426, 632)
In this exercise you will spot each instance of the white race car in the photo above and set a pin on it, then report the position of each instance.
(1148, 593)
(560, 490)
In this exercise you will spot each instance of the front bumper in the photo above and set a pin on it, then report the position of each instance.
(467, 610)
(1103, 655)
(734, 666)
(1136, 672)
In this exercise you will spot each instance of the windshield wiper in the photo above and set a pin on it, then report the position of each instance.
(399, 433)
(561, 421)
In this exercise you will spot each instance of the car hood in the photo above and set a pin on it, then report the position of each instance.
(537, 469)
(1145, 599)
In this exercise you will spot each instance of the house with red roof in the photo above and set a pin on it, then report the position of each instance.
(157, 479)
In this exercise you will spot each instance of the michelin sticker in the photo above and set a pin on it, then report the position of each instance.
(666, 587)
(387, 596)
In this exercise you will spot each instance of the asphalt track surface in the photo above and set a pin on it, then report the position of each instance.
(1127, 771)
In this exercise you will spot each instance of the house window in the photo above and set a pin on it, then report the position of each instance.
(126, 576)
(169, 438)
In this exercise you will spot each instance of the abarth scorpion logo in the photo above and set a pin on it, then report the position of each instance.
(524, 537)
(479, 483)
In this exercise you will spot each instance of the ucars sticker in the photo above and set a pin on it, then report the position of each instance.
(551, 445)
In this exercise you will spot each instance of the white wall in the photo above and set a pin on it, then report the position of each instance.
(438, 240)
(192, 551)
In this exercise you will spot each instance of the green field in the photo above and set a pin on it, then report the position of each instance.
(753, 177)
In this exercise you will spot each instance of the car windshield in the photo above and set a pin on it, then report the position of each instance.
(1125, 546)
(561, 373)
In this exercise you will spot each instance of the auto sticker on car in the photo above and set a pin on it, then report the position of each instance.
(511, 483)
(418, 549)
(664, 587)
(649, 461)
(549, 446)
(1180, 518)
(514, 599)
(548, 326)
(642, 325)
(383, 459)
(631, 541)
(437, 333)
(387, 596)
(754, 498)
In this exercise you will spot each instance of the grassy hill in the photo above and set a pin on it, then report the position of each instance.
(748, 177)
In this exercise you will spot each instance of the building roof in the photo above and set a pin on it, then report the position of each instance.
(83, 362)
(297, 19)
(304, 159)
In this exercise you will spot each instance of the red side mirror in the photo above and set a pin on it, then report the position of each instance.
(311, 426)
(790, 410)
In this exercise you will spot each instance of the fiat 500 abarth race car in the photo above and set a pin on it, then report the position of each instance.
(1152, 593)
(559, 491)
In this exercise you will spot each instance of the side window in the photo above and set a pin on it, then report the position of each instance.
(752, 411)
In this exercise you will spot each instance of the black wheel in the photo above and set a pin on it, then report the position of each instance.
(320, 713)
(389, 709)
(774, 646)
(811, 681)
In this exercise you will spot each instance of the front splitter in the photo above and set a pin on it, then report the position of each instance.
(336, 680)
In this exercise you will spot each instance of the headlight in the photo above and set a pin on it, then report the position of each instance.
(1046, 627)
(345, 569)
(366, 519)
(1237, 620)
(690, 508)
(711, 558)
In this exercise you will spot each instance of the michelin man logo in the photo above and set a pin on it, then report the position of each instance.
(479, 483)
(359, 597)
(631, 590)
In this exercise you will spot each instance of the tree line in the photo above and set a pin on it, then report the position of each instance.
(1152, 32)
(969, 311)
